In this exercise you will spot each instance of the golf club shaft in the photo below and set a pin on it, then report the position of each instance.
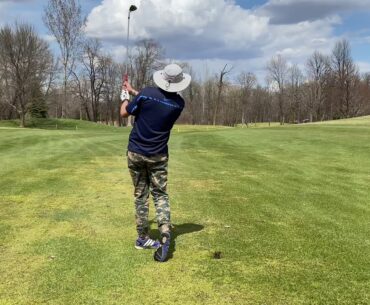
(127, 47)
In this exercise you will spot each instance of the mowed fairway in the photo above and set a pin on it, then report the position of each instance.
(287, 207)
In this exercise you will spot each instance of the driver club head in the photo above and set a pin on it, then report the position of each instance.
(133, 8)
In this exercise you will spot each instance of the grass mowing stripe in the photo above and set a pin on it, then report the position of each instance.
(287, 207)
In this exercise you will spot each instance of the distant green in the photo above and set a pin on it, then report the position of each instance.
(286, 208)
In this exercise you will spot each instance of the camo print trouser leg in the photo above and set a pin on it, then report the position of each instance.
(149, 174)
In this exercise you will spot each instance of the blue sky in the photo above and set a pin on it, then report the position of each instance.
(210, 33)
(250, 4)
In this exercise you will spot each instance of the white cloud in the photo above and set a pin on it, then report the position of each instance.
(48, 38)
(214, 32)
(363, 66)
(187, 28)
(293, 11)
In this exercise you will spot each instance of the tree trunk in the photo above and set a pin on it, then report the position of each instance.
(129, 121)
(22, 119)
(87, 112)
(64, 103)
(119, 115)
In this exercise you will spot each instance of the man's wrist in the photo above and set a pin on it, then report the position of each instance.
(124, 95)
(134, 92)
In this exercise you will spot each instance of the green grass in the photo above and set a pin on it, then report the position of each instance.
(287, 207)
(259, 125)
(364, 120)
(56, 124)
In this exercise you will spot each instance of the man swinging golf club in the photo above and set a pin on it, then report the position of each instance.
(156, 109)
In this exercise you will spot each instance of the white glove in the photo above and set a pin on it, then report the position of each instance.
(125, 95)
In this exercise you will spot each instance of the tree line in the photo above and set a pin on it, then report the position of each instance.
(84, 81)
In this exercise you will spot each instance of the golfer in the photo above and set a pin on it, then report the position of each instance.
(156, 110)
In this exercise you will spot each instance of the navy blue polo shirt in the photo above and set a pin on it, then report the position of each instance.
(155, 111)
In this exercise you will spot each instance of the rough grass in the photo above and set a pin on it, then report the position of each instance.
(364, 120)
(286, 208)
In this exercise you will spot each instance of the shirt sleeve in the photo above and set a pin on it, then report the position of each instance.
(133, 107)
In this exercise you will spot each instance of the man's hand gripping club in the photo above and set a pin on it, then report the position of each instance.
(125, 97)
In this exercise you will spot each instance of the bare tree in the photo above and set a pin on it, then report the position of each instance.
(81, 89)
(318, 69)
(209, 96)
(3, 106)
(111, 91)
(365, 92)
(64, 20)
(193, 110)
(296, 80)
(277, 69)
(6, 91)
(261, 107)
(25, 63)
(147, 58)
(93, 77)
(247, 82)
(347, 79)
(220, 87)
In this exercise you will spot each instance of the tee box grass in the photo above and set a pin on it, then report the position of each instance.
(274, 215)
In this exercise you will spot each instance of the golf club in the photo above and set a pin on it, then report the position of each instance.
(131, 9)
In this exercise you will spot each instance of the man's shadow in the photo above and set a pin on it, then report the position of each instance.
(177, 230)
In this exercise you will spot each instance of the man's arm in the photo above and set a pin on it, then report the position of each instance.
(127, 86)
(123, 111)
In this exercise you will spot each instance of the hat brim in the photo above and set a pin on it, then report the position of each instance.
(171, 87)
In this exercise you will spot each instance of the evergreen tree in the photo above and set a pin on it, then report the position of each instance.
(39, 108)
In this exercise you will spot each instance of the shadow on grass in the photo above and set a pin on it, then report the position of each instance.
(177, 230)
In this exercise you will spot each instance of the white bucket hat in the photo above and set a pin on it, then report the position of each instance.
(172, 79)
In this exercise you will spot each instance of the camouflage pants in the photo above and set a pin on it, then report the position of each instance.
(149, 174)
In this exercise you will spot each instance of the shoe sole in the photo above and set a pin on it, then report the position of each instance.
(162, 259)
(142, 248)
